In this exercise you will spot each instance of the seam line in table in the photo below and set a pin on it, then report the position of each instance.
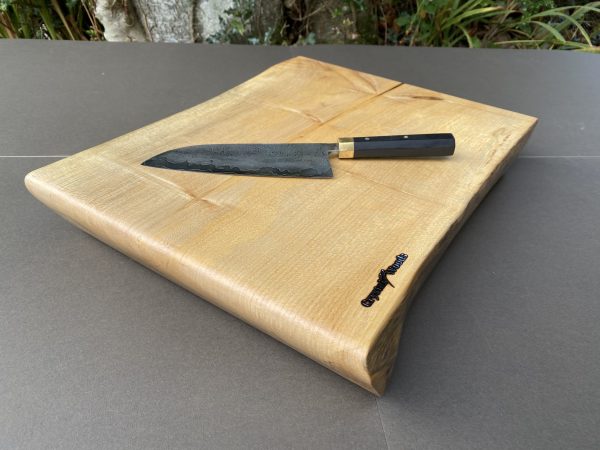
(519, 157)
(381, 421)
(557, 156)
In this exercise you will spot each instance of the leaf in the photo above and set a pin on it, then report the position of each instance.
(483, 12)
(566, 19)
(429, 6)
(467, 35)
(589, 7)
(522, 41)
(579, 46)
(237, 25)
(589, 49)
(403, 20)
(479, 11)
(559, 37)
(470, 4)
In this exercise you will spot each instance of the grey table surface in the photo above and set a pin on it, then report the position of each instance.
(501, 348)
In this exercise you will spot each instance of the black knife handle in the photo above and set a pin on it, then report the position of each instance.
(403, 145)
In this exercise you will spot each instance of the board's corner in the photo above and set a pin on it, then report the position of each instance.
(31, 180)
(382, 353)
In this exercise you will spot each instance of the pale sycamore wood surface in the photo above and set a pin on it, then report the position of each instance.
(294, 257)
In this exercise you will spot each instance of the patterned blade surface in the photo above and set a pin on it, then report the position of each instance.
(274, 160)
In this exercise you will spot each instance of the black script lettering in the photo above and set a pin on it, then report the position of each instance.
(382, 281)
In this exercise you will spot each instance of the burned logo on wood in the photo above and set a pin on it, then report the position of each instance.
(382, 281)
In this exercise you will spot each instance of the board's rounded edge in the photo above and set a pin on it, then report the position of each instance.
(31, 181)
(382, 353)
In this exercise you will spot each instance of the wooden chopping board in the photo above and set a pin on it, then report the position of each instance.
(295, 257)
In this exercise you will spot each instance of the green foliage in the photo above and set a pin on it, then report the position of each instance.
(309, 39)
(487, 23)
(237, 27)
(49, 19)
(564, 24)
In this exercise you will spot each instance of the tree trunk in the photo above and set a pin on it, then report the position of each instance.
(167, 20)
(120, 23)
(208, 14)
(161, 20)
(196, 20)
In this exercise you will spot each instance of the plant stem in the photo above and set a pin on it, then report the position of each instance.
(24, 15)
(91, 17)
(16, 20)
(6, 26)
(47, 19)
(56, 7)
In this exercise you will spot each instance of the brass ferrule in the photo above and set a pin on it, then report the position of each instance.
(346, 148)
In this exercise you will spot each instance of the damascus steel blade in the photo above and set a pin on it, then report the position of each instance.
(275, 160)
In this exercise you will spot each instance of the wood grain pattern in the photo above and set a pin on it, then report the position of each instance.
(294, 257)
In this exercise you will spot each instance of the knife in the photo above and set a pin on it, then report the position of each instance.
(298, 160)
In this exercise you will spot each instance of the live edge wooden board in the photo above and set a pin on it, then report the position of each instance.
(295, 257)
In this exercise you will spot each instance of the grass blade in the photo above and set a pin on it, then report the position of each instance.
(566, 20)
(559, 37)
(467, 35)
(482, 12)
(56, 7)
